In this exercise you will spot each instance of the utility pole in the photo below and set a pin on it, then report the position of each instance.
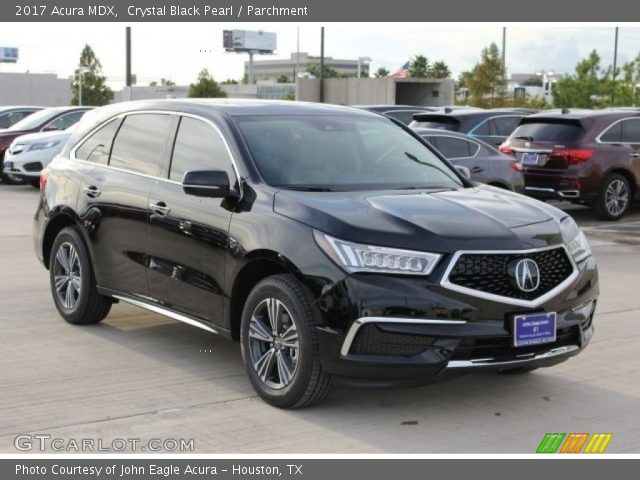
(321, 64)
(615, 66)
(504, 49)
(128, 56)
(297, 56)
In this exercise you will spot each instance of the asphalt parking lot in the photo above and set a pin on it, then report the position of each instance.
(140, 375)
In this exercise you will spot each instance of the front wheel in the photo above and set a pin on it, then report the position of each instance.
(614, 198)
(72, 280)
(280, 345)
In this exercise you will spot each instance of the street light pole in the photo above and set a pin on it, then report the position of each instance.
(81, 71)
(615, 66)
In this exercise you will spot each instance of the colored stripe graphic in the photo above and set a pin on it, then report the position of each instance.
(574, 443)
(598, 443)
(550, 442)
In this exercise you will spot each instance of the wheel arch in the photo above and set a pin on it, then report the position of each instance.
(628, 174)
(57, 222)
(258, 265)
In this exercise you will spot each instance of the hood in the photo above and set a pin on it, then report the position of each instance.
(480, 218)
(43, 136)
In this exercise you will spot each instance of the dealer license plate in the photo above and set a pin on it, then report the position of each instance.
(534, 329)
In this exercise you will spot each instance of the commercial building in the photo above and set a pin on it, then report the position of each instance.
(44, 89)
(270, 70)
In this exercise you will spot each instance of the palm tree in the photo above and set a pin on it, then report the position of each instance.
(440, 70)
(419, 67)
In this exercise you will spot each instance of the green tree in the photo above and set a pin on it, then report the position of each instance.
(163, 83)
(230, 81)
(419, 67)
(95, 91)
(487, 81)
(439, 70)
(205, 87)
(381, 72)
(329, 72)
(282, 79)
(586, 88)
(627, 87)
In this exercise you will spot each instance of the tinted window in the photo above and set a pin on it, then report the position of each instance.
(341, 153)
(96, 147)
(483, 129)
(65, 121)
(549, 132)
(452, 147)
(38, 118)
(631, 130)
(8, 119)
(503, 126)
(140, 144)
(612, 134)
(199, 147)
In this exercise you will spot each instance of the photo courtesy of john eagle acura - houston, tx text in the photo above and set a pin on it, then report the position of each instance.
(335, 244)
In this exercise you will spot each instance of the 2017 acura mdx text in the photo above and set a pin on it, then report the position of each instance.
(332, 242)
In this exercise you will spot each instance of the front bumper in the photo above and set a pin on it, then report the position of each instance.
(26, 165)
(389, 331)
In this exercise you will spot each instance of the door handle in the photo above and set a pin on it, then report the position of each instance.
(477, 170)
(92, 191)
(160, 209)
(634, 155)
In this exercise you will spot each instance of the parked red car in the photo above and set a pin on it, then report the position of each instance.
(590, 157)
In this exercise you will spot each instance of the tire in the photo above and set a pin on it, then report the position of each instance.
(76, 296)
(614, 198)
(284, 376)
(11, 179)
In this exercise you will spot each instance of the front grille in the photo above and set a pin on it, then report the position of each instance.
(501, 348)
(371, 340)
(33, 166)
(489, 273)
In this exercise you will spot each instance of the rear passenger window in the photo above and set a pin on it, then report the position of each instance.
(96, 148)
(140, 144)
(503, 126)
(612, 134)
(631, 130)
(65, 121)
(199, 147)
(452, 147)
(483, 129)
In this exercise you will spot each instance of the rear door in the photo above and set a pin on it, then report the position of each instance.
(188, 235)
(115, 179)
(623, 137)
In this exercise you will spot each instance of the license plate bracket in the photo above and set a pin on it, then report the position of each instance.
(534, 329)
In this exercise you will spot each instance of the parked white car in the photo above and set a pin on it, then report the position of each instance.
(29, 154)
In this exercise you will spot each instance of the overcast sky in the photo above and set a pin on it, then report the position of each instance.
(179, 50)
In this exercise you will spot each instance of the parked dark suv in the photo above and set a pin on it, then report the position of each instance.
(490, 126)
(402, 113)
(585, 156)
(334, 244)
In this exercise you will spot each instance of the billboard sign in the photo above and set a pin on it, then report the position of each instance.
(249, 41)
(8, 55)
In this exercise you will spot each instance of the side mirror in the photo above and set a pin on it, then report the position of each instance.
(464, 171)
(206, 183)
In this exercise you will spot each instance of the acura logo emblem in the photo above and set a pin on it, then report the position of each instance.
(527, 275)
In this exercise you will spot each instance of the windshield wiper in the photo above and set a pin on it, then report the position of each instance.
(306, 188)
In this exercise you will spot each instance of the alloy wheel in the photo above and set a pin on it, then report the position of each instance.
(616, 197)
(273, 343)
(67, 275)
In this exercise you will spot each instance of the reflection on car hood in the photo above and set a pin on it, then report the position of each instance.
(43, 137)
(480, 218)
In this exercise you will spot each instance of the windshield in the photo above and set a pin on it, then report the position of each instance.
(35, 119)
(341, 153)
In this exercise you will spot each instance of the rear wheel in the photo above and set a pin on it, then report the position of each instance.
(72, 281)
(614, 197)
(280, 346)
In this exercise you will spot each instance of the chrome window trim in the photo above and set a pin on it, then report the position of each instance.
(72, 153)
(457, 138)
(471, 132)
(359, 322)
(620, 120)
(526, 358)
(445, 283)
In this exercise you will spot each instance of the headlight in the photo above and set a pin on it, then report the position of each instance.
(575, 240)
(356, 257)
(43, 145)
(16, 148)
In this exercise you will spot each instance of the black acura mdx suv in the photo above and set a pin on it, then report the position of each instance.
(332, 242)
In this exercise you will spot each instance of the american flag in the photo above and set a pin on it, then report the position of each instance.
(401, 72)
